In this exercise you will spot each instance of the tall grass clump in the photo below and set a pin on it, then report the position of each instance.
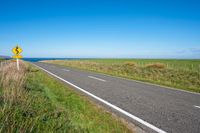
(156, 65)
(24, 106)
(130, 64)
(12, 84)
(13, 97)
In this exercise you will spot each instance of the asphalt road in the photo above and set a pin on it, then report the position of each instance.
(167, 109)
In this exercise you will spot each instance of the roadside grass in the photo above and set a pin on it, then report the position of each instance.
(1, 59)
(181, 74)
(32, 101)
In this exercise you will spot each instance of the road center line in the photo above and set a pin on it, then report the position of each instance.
(108, 104)
(97, 78)
(65, 70)
(197, 106)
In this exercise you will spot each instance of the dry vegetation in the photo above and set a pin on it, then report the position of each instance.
(13, 94)
(156, 65)
(12, 82)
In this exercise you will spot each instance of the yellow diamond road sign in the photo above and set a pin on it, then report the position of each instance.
(17, 56)
(17, 50)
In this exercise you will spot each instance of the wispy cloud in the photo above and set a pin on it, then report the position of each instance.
(181, 51)
(195, 50)
(189, 51)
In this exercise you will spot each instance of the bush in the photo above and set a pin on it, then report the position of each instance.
(156, 65)
(130, 64)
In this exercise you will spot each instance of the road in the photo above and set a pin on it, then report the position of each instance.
(151, 107)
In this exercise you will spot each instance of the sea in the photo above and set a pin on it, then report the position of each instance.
(40, 59)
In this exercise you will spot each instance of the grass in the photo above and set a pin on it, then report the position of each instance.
(1, 59)
(181, 74)
(175, 64)
(32, 101)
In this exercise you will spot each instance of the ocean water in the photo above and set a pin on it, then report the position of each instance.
(40, 59)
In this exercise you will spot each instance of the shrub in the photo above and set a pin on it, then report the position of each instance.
(130, 64)
(156, 65)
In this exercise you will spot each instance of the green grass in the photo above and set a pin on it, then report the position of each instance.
(177, 64)
(48, 105)
(181, 74)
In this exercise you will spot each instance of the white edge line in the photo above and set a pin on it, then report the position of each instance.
(97, 78)
(108, 104)
(197, 106)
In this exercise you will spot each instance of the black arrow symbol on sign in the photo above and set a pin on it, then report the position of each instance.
(17, 50)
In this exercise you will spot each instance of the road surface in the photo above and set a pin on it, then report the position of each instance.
(151, 107)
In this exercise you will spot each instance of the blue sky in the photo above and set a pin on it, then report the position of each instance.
(101, 28)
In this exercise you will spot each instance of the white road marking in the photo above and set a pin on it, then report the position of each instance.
(97, 78)
(65, 70)
(197, 106)
(108, 104)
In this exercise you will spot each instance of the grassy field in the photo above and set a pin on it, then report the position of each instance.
(32, 101)
(189, 65)
(181, 74)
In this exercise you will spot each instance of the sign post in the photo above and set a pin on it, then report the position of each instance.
(17, 64)
(17, 50)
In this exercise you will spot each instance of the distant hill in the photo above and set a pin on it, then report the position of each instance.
(4, 57)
